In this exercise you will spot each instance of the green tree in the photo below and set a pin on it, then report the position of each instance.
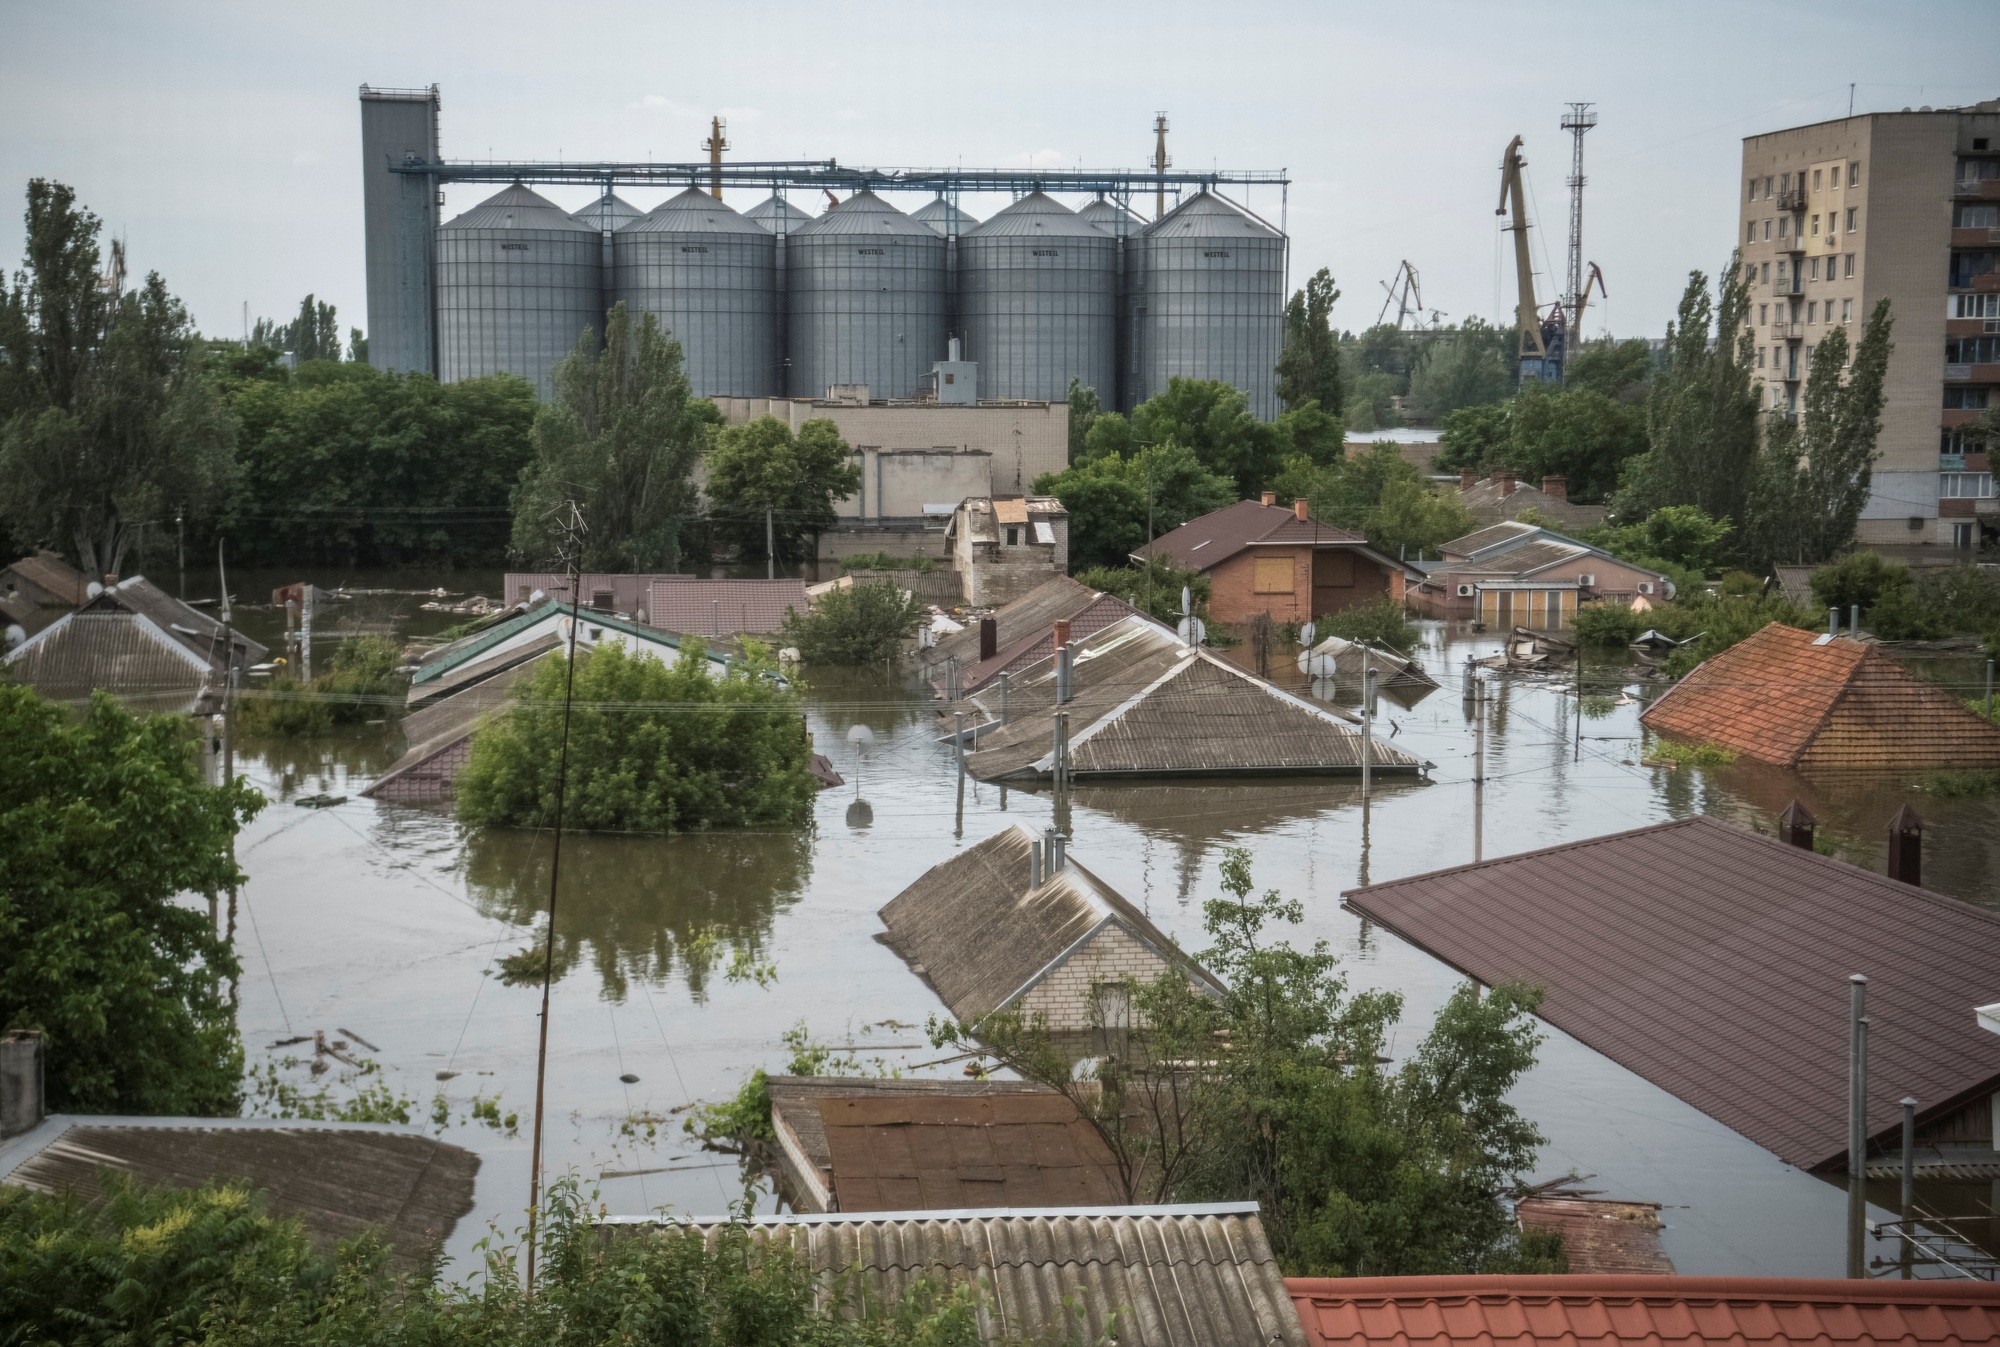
(1310, 430)
(1117, 503)
(763, 467)
(107, 415)
(1383, 349)
(858, 625)
(108, 822)
(1357, 1170)
(621, 439)
(1858, 578)
(1579, 434)
(1309, 362)
(1084, 409)
(314, 334)
(1153, 586)
(1475, 438)
(1618, 369)
(1469, 367)
(1369, 403)
(357, 346)
(1213, 419)
(1345, 493)
(1413, 517)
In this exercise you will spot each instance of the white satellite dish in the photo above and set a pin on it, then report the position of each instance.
(860, 738)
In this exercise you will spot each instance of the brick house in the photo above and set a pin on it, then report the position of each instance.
(1515, 574)
(1261, 557)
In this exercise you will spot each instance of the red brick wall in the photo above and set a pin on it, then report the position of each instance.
(1235, 598)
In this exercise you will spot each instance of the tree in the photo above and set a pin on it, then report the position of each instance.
(1579, 434)
(1213, 419)
(763, 467)
(1270, 1087)
(1345, 492)
(1084, 409)
(1153, 586)
(1473, 437)
(1310, 430)
(1618, 369)
(1414, 517)
(621, 439)
(1370, 404)
(652, 748)
(357, 346)
(856, 625)
(108, 822)
(1117, 503)
(1309, 362)
(1469, 367)
(107, 415)
(314, 334)
(1383, 349)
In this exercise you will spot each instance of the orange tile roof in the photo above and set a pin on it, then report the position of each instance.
(1592, 1311)
(1781, 697)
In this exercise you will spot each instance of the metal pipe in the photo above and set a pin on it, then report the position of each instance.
(1368, 676)
(1909, 1154)
(1854, 618)
(1035, 864)
(1062, 851)
(1004, 684)
(1833, 620)
(1048, 854)
(1857, 1073)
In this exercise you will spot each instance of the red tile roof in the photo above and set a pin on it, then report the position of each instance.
(1221, 534)
(1782, 697)
(1714, 962)
(1594, 1311)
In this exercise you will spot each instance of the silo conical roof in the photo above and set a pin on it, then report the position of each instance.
(866, 213)
(1206, 215)
(938, 215)
(1036, 214)
(1105, 216)
(607, 212)
(692, 212)
(766, 214)
(517, 207)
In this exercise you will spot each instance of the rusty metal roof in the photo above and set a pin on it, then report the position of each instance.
(1221, 534)
(916, 1153)
(1144, 703)
(981, 935)
(724, 607)
(1195, 1275)
(1714, 962)
(1600, 1236)
(1793, 699)
(1614, 1311)
(339, 1179)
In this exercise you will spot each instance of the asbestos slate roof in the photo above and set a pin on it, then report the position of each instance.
(1613, 1311)
(50, 572)
(1714, 963)
(131, 639)
(1019, 619)
(981, 936)
(1093, 617)
(1783, 697)
(1198, 1275)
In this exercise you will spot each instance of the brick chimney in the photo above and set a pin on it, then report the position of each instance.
(22, 1105)
(1062, 632)
(1556, 486)
(1270, 498)
(1796, 826)
(1504, 479)
(1906, 846)
(1467, 480)
(1299, 509)
(989, 637)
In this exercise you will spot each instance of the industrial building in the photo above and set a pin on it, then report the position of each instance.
(1903, 206)
(775, 303)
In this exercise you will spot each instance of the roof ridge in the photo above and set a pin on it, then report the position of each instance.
(1642, 1285)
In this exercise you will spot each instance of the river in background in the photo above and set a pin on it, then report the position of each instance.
(389, 923)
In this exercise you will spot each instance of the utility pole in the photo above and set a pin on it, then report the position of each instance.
(306, 635)
(228, 676)
(181, 548)
(1478, 770)
(715, 145)
(1580, 118)
(770, 547)
(1160, 163)
(1857, 1122)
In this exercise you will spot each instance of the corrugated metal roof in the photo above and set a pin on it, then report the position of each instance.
(1612, 1311)
(458, 653)
(1493, 535)
(448, 724)
(766, 214)
(1782, 697)
(1528, 558)
(1145, 704)
(1035, 647)
(118, 652)
(1206, 215)
(46, 570)
(611, 212)
(1104, 216)
(1714, 962)
(1183, 1276)
(936, 215)
(694, 212)
(338, 1179)
(1601, 1237)
(1221, 534)
(941, 1153)
(866, 213)
(1034, 611)
(981, 935)
(628, 589)
(724, 607)
(1038, 215)
(518, 207)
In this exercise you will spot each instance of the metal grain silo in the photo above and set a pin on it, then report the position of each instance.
(517, 283)
(1209, 301)
(1038, 302)
(938, 217)
(867, 300)
(608, 214)
(710, 277)
(772, 209)
(1125, 228)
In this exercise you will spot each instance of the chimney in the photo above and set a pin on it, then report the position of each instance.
(1049, 855)
(1556, 486)
(1906, 846)
(1035, 864)
(1061, 854)
(1062, 632)
(1270, 498)
(1504, 479)
(22, 1103)
(989, 637)
(1468, 479)
(1796, 825)
(1299, 509)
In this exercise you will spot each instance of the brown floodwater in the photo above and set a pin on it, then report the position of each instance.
(393, 923)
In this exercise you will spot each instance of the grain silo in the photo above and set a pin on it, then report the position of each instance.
(1038, 302)
(867, 300)
(710, 277)
(1125, 227)
(942, 218)
(1208, 301)
(517, 283)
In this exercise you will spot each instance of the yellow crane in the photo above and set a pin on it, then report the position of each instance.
(1160, 162)
(1534, 346)
(715, 145)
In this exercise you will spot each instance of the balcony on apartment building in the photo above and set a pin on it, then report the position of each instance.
(1792, 199)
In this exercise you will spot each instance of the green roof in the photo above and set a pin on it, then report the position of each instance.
(473, 646)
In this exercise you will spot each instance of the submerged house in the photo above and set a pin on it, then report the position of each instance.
(1033, 648)
(1815, 703)
(1515, 574)
(139, 643)
(36, 590)
(718, 609)
(1140, 702)
(1714, 962)
(1504, 496)
(1056, 598)
(996, 929)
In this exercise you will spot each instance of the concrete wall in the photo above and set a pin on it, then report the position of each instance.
(1346, 579)
(899, 483)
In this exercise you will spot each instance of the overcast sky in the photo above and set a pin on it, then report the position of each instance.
(223, 140)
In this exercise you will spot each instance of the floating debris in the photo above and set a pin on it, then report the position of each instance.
(319, 801)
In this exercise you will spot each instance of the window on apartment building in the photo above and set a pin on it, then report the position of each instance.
(1014, 535)
(1848, 270)
(1846, 310)
(1812, 311)
(1750, 236)
(1767, 187)
(1815, 225)
(1760, 357)
(1763, 314)
(1978, 170)
(1816, 175)
(1965, 398)
(1853, 213)
(1749, 272)
(1815, 270)
(1977, 217)
(1767, 231)
(1784, 182)
(1972, 263)
(1272, 575)
(1782, 265)
(1975, 306)
(1753, 190)
(1965, 485)
(1972, 350)
(1854, 174)
(1766, 273)
(1784, 223)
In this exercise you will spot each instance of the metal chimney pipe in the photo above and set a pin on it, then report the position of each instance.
(1857, 1074)
(1833, 620)
(1909, 1154)
(1854, 619)
(1062, 851)
(989, 638)
(1035, 864)
(1796, 826)
(1050, 855)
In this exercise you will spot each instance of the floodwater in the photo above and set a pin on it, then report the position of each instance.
(389, 923)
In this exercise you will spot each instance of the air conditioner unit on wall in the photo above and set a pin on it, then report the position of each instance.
(1587, 581)
(1645, 586)
(1465, 591)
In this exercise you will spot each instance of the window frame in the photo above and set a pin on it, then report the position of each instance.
(1263, 567)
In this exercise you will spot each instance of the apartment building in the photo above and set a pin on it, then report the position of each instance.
(1903, 206)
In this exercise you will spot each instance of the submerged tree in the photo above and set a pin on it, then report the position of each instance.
(621, 439)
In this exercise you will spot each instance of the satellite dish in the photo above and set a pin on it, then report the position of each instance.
(1316, 664)
(15, 635)
(92, 590)
(860, 738)
(860, 814)
(1307, 633)
(1187, 601)
(1193, 630)
(537, 597)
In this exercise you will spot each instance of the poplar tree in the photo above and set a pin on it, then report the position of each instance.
(1309, 364)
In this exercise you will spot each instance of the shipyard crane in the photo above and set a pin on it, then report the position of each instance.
(1541, 342)
(1405, 294)
(1592, 276)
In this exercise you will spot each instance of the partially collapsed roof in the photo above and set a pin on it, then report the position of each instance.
(982, 935)
(1145, 703)
(1714, 962)
(1793, 699)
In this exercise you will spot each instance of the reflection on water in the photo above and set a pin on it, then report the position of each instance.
(324, 764)
(635, 906)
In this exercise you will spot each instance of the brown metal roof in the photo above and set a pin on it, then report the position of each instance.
(1793, 699)
(628, 591)
(1599, 1236)
(1187, 1276)
(1221, 534)
(904, 1153)
(1714, 963)
(980, 935)
(50, 573)
(1033, 612)
(724, 607)
(339, 1179)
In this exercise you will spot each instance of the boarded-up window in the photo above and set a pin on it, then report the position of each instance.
(1274, 575)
